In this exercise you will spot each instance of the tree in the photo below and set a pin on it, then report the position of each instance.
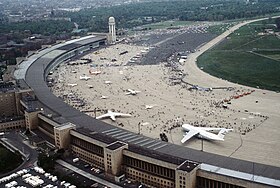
(46, 161)
(277, 22)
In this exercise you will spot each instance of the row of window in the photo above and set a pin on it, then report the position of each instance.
(95, 160)
(46, 127)
(208, 183)
(109, 163)
(6, 95)
(88, 146)
(12, 125)
(150, 168)
(148, 179)
(2, 127)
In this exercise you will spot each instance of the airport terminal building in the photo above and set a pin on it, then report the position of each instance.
(116, 151)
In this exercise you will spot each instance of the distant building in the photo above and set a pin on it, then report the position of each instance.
(13, 102)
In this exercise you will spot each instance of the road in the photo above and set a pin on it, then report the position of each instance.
(87, 175)
(17, 141)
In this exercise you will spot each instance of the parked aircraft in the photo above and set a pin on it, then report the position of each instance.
(149, 106)
(104, 97)
(204, 132)
(132, 92)
(72, 85)
(199, 88)
(95, 72)
(84, 77)
(113, 115)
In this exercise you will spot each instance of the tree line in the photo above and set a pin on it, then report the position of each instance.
(132, 15)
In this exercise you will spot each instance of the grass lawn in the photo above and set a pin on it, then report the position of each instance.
(233, 59)
(8, 160)
(220, 28)
(272, 54)
(167, 24)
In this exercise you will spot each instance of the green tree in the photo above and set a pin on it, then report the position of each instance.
(277, 22)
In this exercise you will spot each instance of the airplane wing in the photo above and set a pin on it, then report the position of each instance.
(121, 114)
(211, 136)
(102, 116)
(130, 90)
(113, 116)
(215, 129)
(210, 128)
(189, 135)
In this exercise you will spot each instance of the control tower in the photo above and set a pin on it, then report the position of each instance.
(112, 31)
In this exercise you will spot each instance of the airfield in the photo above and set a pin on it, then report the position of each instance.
(174, 91)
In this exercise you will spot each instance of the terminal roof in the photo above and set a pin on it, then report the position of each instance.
(188, 166)
(95, 135)
(69, 46)
(116, 145)
(156, 155)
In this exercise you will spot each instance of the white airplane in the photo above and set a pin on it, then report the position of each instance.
(104, 97)
(149, 106)
(85, 77)
(113, 115)
(95, 72)
(204, 132)
(132, 92)
(72, 85)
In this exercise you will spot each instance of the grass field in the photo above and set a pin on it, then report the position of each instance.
(167, 24)
(8, 160)
(246, 57)
(270, 54)
(219, 28)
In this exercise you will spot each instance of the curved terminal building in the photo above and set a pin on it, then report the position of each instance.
(118, 152)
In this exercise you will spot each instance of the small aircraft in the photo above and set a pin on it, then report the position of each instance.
(108, 82)
(204, 132)
(72, 85)
(95, 72)
(84, 77)
(113, 115)
(149, 106)
(132, 92)
(104, 97)
(199, 88)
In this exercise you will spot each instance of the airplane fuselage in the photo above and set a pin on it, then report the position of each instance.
(202, 133)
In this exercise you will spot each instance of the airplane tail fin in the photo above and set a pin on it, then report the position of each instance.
(223, 132)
